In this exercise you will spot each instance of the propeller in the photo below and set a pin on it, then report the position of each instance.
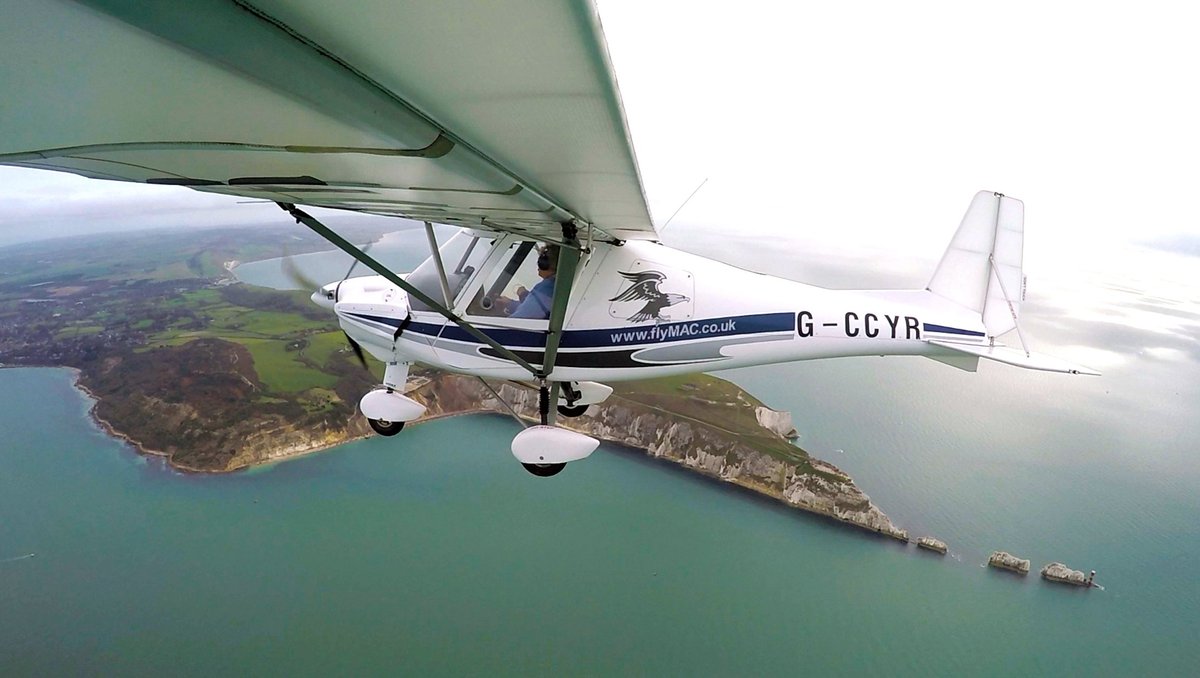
(358, 352)
(294, 274)
(337, 290)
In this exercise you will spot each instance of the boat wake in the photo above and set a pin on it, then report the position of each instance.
(13, 560)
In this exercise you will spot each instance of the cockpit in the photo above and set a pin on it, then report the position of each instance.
(491, 276)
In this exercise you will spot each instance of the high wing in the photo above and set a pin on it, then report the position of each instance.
(503, 115)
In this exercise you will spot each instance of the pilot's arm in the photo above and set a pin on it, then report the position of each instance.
(536, 303)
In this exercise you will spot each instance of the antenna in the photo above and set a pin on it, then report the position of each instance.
(685, 202)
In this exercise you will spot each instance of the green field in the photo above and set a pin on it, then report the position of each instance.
(281, 370)
(321, 347)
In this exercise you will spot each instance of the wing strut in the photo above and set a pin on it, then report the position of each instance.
(437, 259)
(564, 280)
(346, 246)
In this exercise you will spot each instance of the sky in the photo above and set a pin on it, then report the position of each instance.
(861, 128)
(874, 123)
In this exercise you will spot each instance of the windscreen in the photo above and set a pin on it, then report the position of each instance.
(462, 255)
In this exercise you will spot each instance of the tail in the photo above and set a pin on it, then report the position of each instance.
(981, 272)
(981, 269)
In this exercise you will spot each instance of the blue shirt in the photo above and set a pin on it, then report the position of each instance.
(537, 303)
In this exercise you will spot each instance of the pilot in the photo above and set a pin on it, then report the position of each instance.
(535, 303)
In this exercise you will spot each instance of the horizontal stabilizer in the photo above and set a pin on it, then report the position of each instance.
(962, 361)
(1019, 358)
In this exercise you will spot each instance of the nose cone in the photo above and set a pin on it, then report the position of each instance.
(323, 299)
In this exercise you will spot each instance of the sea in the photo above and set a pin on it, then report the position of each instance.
(433, 553)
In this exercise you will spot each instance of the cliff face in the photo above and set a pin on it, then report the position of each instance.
(779, 422)
(815, 486)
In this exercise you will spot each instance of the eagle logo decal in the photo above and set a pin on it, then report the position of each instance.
(645, 288)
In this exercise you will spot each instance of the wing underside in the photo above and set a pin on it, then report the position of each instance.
(501, 115)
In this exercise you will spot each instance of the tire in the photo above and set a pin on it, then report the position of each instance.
(572, 411)
(544, 470)
(385, 428)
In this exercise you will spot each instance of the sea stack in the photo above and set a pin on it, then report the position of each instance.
(1062, 574)
(931, 544)
(1007, 561)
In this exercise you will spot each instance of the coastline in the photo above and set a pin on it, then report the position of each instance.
(869, 519)
(138, 447)
(102, 423)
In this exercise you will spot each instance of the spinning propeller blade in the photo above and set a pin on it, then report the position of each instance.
(298, 278)
(337, 290)
(294, 275)
(358, 352)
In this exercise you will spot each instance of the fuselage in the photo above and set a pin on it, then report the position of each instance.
(639, 310)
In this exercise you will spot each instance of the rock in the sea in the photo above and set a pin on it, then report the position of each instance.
(935, 545)
(1064, 575)
(779, 422)
(1007, 561)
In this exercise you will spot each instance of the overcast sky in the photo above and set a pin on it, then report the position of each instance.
(860, 126)
(878, 121)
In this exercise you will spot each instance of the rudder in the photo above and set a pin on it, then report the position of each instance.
(981, 269)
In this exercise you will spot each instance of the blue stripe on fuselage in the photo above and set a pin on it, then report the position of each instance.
(930, 327)
(632, 335)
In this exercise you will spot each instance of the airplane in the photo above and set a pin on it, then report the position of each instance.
(503, 119)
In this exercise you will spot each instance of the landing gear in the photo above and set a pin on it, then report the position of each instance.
(568, 411)
(544, 470)
(385, 409)
(384, 427)
(575, 397)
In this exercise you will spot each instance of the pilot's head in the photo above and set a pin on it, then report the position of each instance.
(547, 261)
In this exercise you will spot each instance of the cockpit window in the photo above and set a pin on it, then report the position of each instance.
(462, 255)
(506, 287)
(489, 300)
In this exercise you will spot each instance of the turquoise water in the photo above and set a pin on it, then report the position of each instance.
(433, 553)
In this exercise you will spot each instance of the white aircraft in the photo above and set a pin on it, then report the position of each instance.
(502, 118)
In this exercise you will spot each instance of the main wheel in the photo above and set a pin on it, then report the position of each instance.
(567, 411)
(544, 470)
(385, 428)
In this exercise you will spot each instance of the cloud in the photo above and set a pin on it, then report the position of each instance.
(39, 204)
(1179, 243)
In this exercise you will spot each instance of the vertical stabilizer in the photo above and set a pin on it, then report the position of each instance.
(981, 269)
